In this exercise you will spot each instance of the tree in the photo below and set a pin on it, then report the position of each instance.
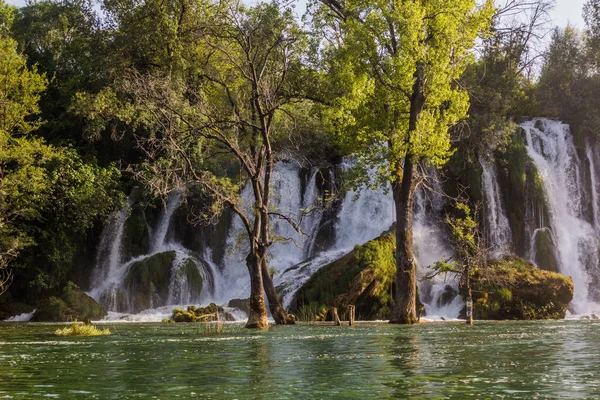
(398, 64)
(196, 127)
(48, 195)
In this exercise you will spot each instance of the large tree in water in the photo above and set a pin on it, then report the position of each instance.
(394, 65)
(210, 119)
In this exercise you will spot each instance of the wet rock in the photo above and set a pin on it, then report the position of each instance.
(241, 304)
(70, 305)
(147, 281)
(513, 288)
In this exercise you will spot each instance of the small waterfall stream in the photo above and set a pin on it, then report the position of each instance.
(498, 232)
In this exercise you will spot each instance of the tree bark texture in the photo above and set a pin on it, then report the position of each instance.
(257, 317)
(277, 311)
(404, 310)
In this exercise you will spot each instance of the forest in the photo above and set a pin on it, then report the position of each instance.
(204, 99)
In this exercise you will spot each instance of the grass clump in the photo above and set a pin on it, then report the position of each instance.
(80, 329)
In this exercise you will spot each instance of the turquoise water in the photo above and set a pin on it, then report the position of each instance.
(516, 360)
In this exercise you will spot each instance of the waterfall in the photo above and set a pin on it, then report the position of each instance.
(159, 238)
(109, 279)
(550, 146)
(363, 216)
(594, 187)
(108, 258)
(498, 228)
(440, 294)
(291, 247)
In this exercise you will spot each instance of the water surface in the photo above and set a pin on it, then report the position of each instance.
(516, 360)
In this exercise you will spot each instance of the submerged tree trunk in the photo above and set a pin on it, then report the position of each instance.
(277, 311)
(405, 309)
(257, 317)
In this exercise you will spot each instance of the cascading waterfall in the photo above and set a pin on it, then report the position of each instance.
(439, 294)
(360, 218)
(550, 146)
(498, 228)
(108, 285)
(291, 246)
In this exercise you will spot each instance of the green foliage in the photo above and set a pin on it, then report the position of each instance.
(71, 304)
(363, 277)
(313, 311)
(385, 49)
(20, 90)
(80, 329)
(512, 288)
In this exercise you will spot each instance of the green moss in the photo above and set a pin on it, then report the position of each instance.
(200, 314)
(149, 279)
(71, 305)
(521, 182)
(136, 235)
(190, 271)
(77, 329)
(363, 277)
(513, 288)
(545, 251)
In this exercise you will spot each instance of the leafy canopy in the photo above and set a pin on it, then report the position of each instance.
(383, 45)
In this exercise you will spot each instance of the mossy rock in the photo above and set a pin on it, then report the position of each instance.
(521, 182)
(135, 236)
(192, 275)
(71, 305)
(545, 251)
(200, 314)
(364, 278)
(241, 304)
(148, 281)
(513, 288)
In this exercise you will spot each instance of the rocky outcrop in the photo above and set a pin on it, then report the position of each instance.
(70, 305)
(364, 278)
(512, 288)
(148, 280)
(212, 312)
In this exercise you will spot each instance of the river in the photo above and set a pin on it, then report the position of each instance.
(516, 360)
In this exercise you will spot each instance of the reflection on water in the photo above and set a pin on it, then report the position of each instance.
(437, 360)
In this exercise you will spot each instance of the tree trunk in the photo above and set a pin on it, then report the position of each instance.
(257, 317)
(277, 311)
(404, 187)
(405, 304)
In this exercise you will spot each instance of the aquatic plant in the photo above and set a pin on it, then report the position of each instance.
(80, 329)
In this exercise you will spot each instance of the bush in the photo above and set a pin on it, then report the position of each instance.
(79, 329)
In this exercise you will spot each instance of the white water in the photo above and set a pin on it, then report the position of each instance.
(589, 152)
(25, 317)
(431, 246)
(555, 156)
(108, 280)
(498, 228)
(360, 219)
